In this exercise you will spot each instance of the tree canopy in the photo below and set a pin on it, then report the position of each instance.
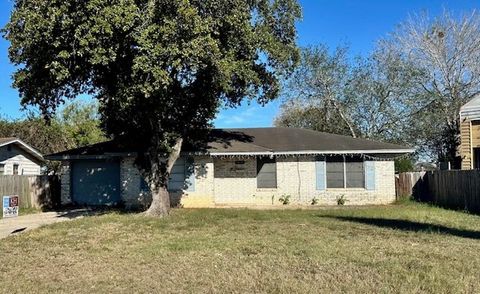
(408, 90)
(159, 69)
(76, 125)
(368, 97)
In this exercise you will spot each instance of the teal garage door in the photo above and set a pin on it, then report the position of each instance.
(96, 182)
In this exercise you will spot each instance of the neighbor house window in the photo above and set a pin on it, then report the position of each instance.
(15, 169)
(2, 169)
(266, 172)
(345, 172)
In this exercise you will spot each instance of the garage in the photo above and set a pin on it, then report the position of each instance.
(96, 182)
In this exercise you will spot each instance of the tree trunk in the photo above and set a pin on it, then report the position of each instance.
(344, 118)
(158, 181)
(160, 202)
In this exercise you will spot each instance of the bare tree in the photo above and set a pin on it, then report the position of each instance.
(380, 88)
(315, 93)
(447, 50)
(367, 97)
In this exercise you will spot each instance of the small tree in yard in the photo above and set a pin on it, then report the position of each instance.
(159, 69)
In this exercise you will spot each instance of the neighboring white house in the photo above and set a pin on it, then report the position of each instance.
(18, 158)
(241, 167)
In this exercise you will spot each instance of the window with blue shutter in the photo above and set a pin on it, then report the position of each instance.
(190, 175)
(370, 175)
(182, 177)
(320, 174)
(343, 172)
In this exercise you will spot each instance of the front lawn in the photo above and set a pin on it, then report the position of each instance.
(404, 248)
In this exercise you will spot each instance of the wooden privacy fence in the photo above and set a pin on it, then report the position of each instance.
(409, 184)
(458, 189)
(34, 191)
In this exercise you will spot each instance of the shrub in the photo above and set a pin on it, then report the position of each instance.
(314, 201)
(285, 199)
(341, 200)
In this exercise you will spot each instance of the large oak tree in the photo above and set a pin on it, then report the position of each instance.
(159, 68)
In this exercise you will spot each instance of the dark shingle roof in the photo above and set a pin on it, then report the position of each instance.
(259, 140)
(293, 139)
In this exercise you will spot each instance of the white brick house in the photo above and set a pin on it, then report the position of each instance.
(242, 167)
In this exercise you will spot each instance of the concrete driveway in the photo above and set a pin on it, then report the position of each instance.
(15, 225)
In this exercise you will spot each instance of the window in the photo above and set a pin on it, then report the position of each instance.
(15, 169)
(2, 169)
(345, 172)
(182, 177)
(355, 172)
(335, 174)
(266, 172)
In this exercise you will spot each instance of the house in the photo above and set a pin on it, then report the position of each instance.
(470, 134)
(18, 158)
(253, 166)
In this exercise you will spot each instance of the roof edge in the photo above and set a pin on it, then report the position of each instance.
(315, 152)
(220, 154)
(32, 150)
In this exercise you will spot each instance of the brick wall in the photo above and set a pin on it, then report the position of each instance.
(228, 182)
(296, 177)
(133, 197)
(65, 189)
(130, 183)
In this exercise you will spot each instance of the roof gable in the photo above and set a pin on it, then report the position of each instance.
(473, 103)
(24, 146)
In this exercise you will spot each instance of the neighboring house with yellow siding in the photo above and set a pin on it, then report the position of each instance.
(255, 166)
(470, 134)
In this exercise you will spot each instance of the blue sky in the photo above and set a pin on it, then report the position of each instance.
(333, 22)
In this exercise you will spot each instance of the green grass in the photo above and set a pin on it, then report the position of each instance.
(403, 248)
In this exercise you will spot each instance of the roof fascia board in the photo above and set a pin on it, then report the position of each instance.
(309, 152)
(315, 152)
(100, 156)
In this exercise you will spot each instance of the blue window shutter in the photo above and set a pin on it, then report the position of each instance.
(190, 175)
(370, 175)
(320, 175)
